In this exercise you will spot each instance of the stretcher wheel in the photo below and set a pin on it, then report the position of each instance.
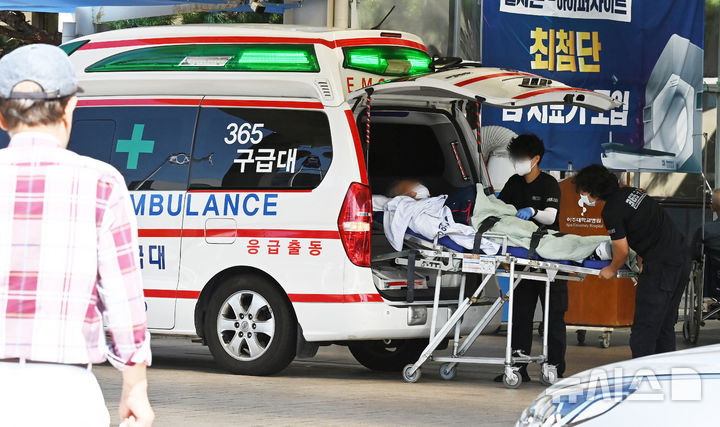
(512, 381)
(549, 379)
(691, 330)
(581, 333)
(448, 372)
(605, 340)
(408, 377)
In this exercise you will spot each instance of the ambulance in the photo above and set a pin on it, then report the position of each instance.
(245, 150)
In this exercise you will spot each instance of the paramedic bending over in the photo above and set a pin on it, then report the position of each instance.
(635, 220)
(536, 196)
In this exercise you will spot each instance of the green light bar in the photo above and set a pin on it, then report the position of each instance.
(387, 60)
(213, 57)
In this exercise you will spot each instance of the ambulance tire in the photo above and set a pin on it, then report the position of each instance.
(279, 351)
(387, 356)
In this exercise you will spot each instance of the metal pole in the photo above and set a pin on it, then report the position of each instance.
(481, 30)
(456, 28)
(342, 13)
(717, 117)
(330, 20)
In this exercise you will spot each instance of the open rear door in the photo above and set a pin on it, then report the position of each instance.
(492, 86)
(497, 87)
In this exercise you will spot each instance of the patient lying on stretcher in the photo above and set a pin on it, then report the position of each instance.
(408, 205)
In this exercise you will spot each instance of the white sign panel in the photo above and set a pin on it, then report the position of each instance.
(473, 263)
(613, 10)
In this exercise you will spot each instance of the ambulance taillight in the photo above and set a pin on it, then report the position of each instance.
(355, 222)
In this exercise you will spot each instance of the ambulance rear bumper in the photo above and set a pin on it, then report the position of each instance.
(373, 321)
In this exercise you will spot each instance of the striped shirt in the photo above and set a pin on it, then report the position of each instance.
(68, 258)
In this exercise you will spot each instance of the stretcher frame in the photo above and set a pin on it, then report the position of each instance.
(505, 265)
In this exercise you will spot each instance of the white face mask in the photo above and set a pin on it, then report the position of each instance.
(421, 192)
(586, 201)
(522, 167)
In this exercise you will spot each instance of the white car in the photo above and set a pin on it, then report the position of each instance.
(677, 388)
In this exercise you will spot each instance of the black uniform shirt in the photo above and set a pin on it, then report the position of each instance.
(630, 212)
(543, 192)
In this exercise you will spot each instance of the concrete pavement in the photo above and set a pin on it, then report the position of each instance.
(188, 389)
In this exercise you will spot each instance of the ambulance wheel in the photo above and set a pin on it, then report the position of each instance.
(513, 380)
(250, 327)
(387, 355)
(447, 372)
(411, 377)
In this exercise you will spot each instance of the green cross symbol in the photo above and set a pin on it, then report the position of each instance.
(134, 146)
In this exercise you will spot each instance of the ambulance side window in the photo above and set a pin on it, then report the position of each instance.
(150, 146)
(4, 139)
(251, 148)
(92, 138)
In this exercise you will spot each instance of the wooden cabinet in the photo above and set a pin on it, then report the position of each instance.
(593, 301)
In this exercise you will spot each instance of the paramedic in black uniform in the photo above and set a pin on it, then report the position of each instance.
(635, 220)
(536, 196)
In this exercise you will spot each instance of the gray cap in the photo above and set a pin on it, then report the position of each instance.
(47, 65)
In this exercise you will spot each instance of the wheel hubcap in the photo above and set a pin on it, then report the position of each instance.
(246, 325)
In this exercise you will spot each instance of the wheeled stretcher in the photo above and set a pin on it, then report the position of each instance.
(517, 264)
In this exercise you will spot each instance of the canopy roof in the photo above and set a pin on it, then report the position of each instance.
(59, 6)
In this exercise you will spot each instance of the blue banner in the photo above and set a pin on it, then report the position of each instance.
(645, 53)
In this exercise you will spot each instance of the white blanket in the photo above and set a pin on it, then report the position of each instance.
(429, 218)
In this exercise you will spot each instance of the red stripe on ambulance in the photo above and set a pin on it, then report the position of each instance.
(200, 232)
(490, 76)
(199, 39)
(308, 105)
(369, 41)
(363, 41)
(138, 101)
(311, 298)
(335, 298)
(171, 293)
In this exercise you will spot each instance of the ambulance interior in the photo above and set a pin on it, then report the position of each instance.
(433, 147)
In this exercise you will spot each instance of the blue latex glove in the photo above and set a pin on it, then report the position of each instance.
(525, 213)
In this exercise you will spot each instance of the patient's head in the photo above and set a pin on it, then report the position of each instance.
(409, 187)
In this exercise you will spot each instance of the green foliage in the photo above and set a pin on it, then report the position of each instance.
(230, 18)
(139, 22)
(200, 18)
(7, 44)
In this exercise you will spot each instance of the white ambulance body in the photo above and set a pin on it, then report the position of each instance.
(250, 185)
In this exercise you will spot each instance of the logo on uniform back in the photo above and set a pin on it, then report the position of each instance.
(635, 198)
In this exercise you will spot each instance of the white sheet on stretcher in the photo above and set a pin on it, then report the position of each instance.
(519, 232)
(429, 218)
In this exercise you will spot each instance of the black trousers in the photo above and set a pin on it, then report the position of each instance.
(525, 299)
(659, 290)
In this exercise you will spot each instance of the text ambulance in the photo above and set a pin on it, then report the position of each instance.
(250, 183)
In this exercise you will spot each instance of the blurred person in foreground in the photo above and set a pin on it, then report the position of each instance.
(68, 260)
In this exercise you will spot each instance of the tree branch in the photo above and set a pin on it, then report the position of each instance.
(17, 27)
